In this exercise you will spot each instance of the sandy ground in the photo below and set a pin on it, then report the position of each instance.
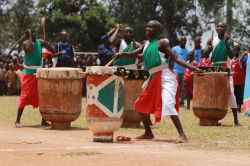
(33, 145)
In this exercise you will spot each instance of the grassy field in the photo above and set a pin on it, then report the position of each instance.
(224, 137)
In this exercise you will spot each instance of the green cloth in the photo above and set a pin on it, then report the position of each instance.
(151, 56)
(126, 60)
(34, 58)
(220, 52)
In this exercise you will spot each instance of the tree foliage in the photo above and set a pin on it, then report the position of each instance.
(85, 21)
(15, 17)
(178, 16)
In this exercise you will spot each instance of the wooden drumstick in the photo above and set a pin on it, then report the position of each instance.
(235, 41)
(110, 62)
(14, 45)
(212, 37)
(43, 24)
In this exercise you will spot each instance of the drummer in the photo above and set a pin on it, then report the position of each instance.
(158, 95)
(32, 61)
(127, 44)
(220, 46)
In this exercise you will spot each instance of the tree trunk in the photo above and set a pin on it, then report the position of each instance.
(229, 15)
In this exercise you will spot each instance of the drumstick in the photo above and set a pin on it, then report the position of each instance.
(235, 41)
(110, 62)
(43, 24)
(14, 45)
(212, 37)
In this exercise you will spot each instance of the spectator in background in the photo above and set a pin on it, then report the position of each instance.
(238, 68)
(182, 52)
(65, 52)
(2, 79)
(11, 81)
(188, 79)
(105, 51)
(197, 49)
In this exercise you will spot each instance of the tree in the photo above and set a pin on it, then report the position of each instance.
(178, 16)
(14, 20)
(236, 15)
(85, 21)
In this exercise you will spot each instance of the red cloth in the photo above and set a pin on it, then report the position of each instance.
(150, 102)
(46, 53)
(205, 62)
(29, 91)
(188, 79)
(189, 87)
(239, 72)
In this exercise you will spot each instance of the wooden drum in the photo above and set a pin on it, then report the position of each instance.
(133, 81)
(60, 95)
(105, 92)
(210, 95)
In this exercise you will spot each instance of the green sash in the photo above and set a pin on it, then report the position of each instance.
(34, 58)
(126, 60)
(151, 56)
(220, 53)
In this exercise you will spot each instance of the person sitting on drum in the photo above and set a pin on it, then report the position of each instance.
(188, 79)
(127, 44)
(32, 61)
(220, 47)
(158, 95)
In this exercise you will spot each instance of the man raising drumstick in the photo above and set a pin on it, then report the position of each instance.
(32, 61)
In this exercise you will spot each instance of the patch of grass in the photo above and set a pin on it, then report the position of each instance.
(224, 137)
(85, 153)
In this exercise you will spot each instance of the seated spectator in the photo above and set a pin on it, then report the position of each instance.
(105, 52)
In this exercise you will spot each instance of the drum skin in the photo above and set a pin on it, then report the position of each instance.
(210, 97)
(104, 103)
(60, 95)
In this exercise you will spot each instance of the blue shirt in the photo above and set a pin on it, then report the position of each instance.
(244, 60)
(105, 53)
(197, 55)
(67, 57)
(183, 54)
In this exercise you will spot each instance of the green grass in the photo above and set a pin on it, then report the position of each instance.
(225, 137)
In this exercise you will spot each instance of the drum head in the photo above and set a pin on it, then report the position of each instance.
(60, 73)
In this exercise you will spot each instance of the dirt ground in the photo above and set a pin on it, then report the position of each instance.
(32, 145)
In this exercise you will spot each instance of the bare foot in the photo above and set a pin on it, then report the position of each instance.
(237, 124)
(45, 124)
(18, 125)
(145, 136)
(183, 139)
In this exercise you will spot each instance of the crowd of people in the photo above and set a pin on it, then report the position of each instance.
(10, 68)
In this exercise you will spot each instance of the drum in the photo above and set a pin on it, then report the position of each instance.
(105, 92)
(60, 95)
(210, 95)
(133, 81)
